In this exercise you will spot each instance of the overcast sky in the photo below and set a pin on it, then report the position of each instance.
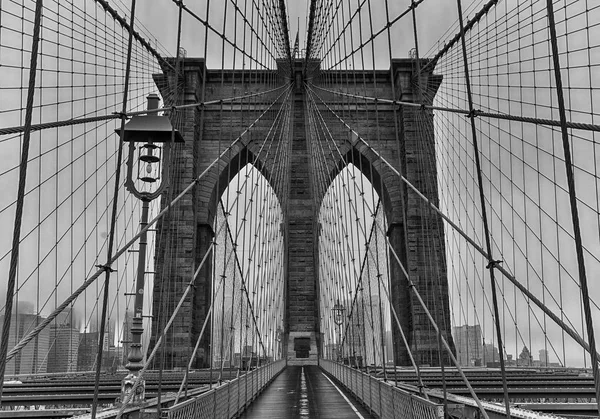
(524, 177)
(435, 18)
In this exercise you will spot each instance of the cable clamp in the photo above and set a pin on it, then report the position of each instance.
(106, 268)
(474, 113)
(493, 264)
(120, 115)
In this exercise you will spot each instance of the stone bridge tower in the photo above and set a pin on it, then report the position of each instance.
(186, 233)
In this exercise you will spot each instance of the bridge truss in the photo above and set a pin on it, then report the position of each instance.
(507, 192)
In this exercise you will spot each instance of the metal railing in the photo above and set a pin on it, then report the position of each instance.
(382, 398)
(229, 399)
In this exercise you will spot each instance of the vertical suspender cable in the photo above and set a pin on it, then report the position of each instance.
(113, 220)
(491, 262)
(420, 98)
(374, 225)
(403, 201)
(378, 133)
(220, 315)
(14, 256)
(310, 40)
(573, 201)
(174, 118)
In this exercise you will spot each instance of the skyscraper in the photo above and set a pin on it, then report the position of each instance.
(469, 345)
(32, 359)
(88, 348)
(126, 338)
(491, 354)
(224, 336)
(543, 357)
(64, 344)
(109, 335)
(364, 334)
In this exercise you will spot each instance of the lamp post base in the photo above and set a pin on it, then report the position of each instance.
(127, 385)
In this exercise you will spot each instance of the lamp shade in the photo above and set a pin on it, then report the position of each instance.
(150, 128)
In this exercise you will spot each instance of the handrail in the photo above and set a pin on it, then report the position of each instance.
(382, 398)
(228, 399)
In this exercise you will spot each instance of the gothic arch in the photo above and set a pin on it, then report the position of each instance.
(384, 181)
(230, 168)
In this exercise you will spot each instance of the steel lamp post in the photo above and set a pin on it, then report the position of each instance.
(338, 318)
(150, 139)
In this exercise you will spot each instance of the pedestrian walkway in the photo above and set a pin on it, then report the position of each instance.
(305, 392)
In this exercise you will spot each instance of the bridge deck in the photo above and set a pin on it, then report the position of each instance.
(304, 392)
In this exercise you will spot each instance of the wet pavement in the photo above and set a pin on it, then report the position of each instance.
(304, 392)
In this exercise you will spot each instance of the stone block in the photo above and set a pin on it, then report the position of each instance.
(412, 155)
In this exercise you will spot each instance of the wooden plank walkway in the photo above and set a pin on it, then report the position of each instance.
(304, 392)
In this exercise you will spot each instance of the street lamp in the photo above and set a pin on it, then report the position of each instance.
(278, 337)
(338, 318)
(152, 135)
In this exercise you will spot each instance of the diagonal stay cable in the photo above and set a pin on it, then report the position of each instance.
(376, 34)
(116, 115)
(452, 224)
(234, 253)
(233, 239)
(107, 267)
(136, 35)
(221, 35)
(12, 273)
(30, 336)
(368, 239)
(164, 331)
(466, 112)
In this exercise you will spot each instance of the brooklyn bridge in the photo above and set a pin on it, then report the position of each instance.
(273, 209)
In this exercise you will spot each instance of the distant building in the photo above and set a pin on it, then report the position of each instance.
(469, 345)
(331, 351)
(364, 332)
(389, 346)
(64, 345)
(112, 359)
(88, 348)
(109, 335)
(32, 359)
(544, 358)
(126, 339)
(525, 358)
(24, 307)
(490, 354)
(225, 340)
(509, 361)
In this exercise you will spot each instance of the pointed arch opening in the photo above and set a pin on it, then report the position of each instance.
(248, 273)
(355, 314)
